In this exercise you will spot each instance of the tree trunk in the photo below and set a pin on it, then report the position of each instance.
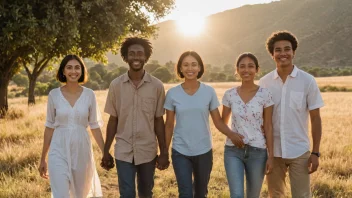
(4, 82)
(31, 88)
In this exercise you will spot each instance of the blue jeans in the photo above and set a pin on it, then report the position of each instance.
(126, 173)
(249, 160)
(200, 166)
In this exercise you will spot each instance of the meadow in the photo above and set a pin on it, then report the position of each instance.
(21, 138)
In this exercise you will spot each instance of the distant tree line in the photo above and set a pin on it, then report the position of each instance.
(328, 71)
(100, 75)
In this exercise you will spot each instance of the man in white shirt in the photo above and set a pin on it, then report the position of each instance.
(296, 95)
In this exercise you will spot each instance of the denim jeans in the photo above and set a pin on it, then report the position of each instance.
(126, 173)
(250, 161)
(200, 166)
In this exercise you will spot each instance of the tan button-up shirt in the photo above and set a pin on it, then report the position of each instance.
(135, 108)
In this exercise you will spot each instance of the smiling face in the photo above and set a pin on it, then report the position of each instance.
(283, 53)
(136, 57)
(72, 71)
(247, 69)
(190, 68)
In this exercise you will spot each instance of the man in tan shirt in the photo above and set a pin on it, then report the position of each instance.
(135, 103)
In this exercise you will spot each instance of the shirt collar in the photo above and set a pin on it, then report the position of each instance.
(293, 73)
(146, 77)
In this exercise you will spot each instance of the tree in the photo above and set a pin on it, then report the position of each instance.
(20, 80)
(152, 66)
(229, 69)
(163, 74)
(221, 77)
(34, 32)
(100, 69)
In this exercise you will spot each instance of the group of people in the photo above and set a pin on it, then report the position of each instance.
(268, 133)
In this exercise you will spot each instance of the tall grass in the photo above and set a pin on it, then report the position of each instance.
(21, 143)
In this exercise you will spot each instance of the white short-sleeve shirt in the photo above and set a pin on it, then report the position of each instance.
(292, 102)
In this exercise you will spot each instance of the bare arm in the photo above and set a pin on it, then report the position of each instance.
(108, 162)
(111, 130)
(98, 138)
(313, 162)
(224, 129)
(268, 130)
(159, 128)
(169, 127)
(48, 134)
(162, 162)
(315, 120)
(225, 114)
(43, 167)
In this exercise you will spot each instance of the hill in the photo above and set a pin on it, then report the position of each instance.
(323, 28)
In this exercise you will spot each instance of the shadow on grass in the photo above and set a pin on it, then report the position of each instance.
(323, 190)
(10, 165)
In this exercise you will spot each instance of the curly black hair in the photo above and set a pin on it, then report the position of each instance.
(145, 43)
(281, 36)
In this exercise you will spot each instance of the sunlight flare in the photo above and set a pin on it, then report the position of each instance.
(191, 24)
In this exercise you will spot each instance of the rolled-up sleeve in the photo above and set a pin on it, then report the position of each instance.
(50, 113)
(95, 120)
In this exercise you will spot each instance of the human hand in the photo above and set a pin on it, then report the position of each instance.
(107, 162)
(237, 139)
(269, 165)
(162, 161)
(313, 163)
(43, 169)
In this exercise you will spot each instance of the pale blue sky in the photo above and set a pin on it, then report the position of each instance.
(204, 8)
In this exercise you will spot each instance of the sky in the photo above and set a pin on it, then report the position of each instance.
(203, 8)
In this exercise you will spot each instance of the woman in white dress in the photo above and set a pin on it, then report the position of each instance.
(71, 108)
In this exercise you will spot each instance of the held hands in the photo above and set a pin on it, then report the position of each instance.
(313, 163)
(162, 161)
(236, 139)
(107, 162)
(43, 169)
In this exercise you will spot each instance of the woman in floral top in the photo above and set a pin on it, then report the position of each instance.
(251, 107)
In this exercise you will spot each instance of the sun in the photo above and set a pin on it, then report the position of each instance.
(191, 24)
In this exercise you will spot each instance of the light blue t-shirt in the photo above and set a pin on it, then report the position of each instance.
(192, 134)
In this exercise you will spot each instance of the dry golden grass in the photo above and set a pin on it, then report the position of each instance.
(21, 143)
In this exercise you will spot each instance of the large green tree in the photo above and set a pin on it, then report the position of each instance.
(33, 32)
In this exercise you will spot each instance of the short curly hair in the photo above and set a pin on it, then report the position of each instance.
(60, 73)
(145, 43)
(281, 36)
(194, 55)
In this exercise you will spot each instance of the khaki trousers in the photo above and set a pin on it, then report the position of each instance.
(298, 173)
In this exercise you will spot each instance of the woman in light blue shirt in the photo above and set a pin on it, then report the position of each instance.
(190, 104)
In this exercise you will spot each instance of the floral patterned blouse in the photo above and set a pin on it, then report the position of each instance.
(247, 118)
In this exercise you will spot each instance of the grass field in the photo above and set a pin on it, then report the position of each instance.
(21, 142)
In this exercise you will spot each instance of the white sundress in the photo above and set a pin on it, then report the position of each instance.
(71, 165)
